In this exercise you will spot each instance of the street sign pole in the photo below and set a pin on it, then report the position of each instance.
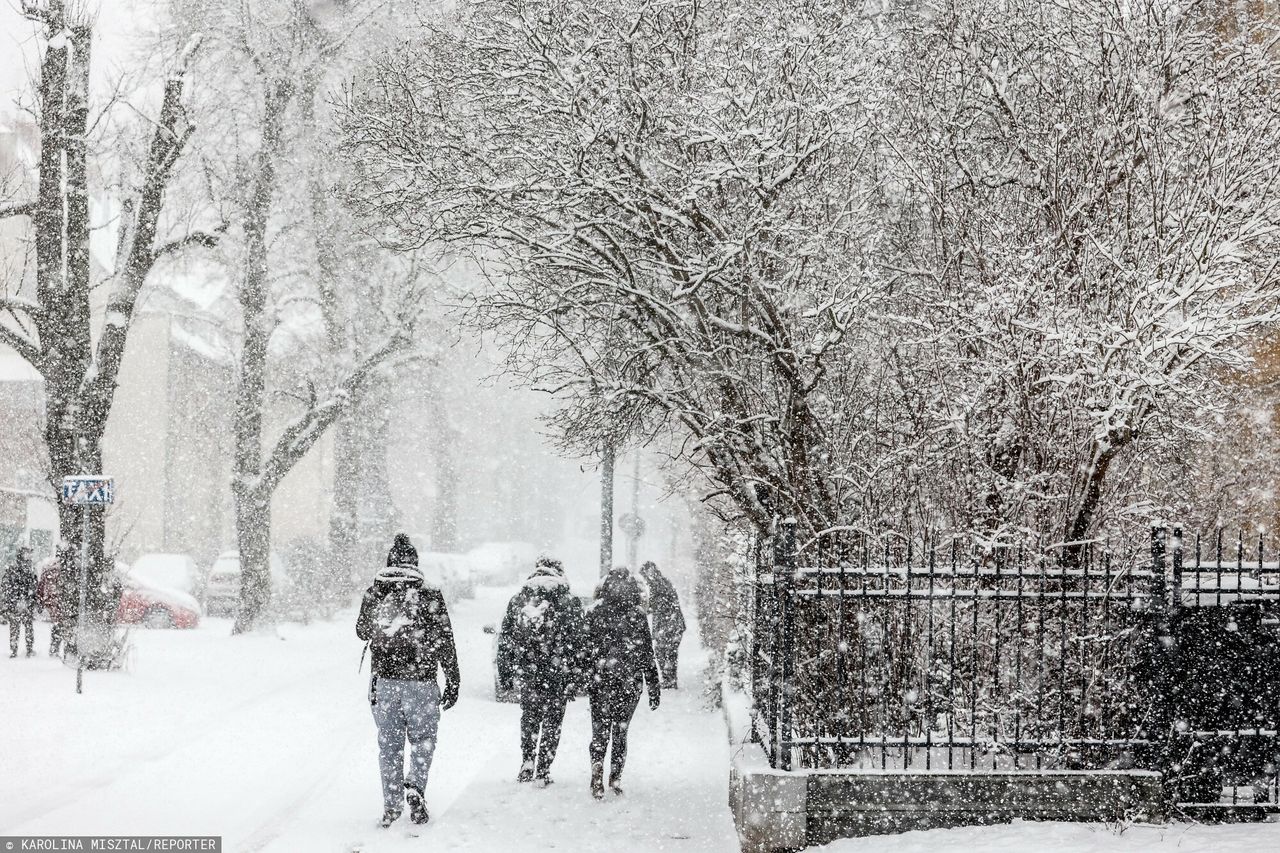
(85, 491)
(84, 595)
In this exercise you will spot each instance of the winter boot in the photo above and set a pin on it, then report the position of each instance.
(542, 780)
(13, 654)
(389, 817)
(597, 779)
(417, 805)
(615, 783)
(526, 772)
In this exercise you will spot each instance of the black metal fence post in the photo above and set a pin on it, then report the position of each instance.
(784, 581)
(1163, 713)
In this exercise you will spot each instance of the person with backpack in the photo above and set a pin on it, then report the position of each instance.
(618, 663)
(406, 624)
(538, 650)
(668, 622)
(18, 600)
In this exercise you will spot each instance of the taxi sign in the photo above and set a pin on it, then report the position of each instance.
(88, 490)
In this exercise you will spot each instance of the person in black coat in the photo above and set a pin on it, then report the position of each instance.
(18, 600)
(538, 650)
(617, 664)
(407, 626)
(668, 622)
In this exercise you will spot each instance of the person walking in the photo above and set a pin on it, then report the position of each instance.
(57, 594)
(618, 663)
(668, 622)
(18, 600)
(538, 650)
(407, 627)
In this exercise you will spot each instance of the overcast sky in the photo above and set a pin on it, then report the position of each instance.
(118, 22)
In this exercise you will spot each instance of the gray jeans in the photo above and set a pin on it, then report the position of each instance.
(405, 710)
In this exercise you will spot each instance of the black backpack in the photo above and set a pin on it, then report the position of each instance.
(399, 622)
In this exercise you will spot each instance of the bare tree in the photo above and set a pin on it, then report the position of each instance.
(294, 256)
(664, 206)
(967, 268)
(1092, 236)
(54, 331)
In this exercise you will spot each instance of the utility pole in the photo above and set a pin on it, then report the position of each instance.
(606, 508)
(633, 546)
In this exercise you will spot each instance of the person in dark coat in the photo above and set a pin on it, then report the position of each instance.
(618, 663)
(406, 623)
(58, 595)
(668, 622)
(18, 600)
(538, 650)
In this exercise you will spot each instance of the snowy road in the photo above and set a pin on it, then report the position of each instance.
(269, 743)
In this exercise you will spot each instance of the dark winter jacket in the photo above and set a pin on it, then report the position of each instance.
(18, 587)
(619, 648)
(407, 625)
(540, 642)
(664, 607)
(56, 589)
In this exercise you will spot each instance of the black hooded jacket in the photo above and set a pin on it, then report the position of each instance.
(541, 637)
(664, 606)
(619, 647)
(18, 587)
(408, 628)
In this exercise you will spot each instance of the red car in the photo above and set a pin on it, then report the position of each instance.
(151, 606)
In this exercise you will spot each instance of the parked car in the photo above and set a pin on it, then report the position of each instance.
(502, 563)
(152, 606)
(222, 591)
(450, 572)
(170, 571)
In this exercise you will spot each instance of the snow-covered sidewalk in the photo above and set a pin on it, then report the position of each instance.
(269, 743)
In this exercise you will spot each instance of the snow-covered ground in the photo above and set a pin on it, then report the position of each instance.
(1024, 837)
(269, 743)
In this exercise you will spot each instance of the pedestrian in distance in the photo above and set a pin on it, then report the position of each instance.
(58, 594)
(668, 623)
(538, 658)
(406, 624)
(18, 600)
(618, 663)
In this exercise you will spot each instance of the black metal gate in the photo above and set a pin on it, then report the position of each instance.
(900, 654)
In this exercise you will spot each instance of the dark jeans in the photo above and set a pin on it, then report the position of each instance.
(541, 718)
(667, 651)
(612, 707)
(17, 621)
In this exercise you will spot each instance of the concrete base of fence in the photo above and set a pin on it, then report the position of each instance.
(845, 805)
(777, 811)
(780, 811)
(770, 808)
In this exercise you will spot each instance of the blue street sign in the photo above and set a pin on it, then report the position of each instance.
(87, 490)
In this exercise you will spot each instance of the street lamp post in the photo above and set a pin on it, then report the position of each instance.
(606, 508)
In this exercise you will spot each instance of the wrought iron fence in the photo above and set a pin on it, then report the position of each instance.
(896, 654)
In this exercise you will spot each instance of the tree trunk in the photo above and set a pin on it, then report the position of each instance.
(444, 514)
(343, 514)
(253, 507)
(1091, 496)
(253, 539)
(378, 518)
